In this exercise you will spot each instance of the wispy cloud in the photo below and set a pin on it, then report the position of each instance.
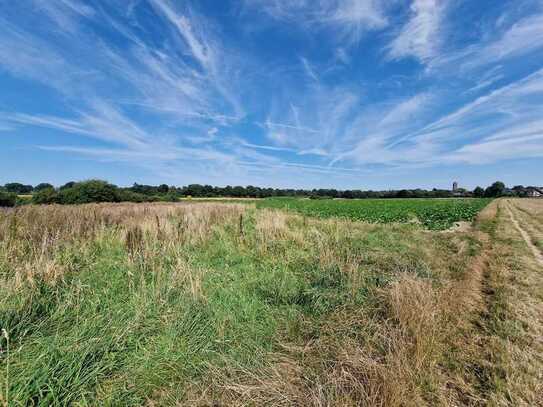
(271, 125)
(316, 119)
(25, 55)
(104, 123)
(487, 129)
(522, 38)
(488, 151)
(205, 48)
(65, 13)
(508, 101)
(201, 50)
(421, 37)
(310, 72)
(374, 134)
(348, 19)
(488, 79)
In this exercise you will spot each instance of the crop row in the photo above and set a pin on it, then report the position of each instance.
(434, 214)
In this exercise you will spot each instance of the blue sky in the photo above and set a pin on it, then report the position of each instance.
(368, 94)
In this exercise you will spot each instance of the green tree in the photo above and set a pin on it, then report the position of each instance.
(67, 185)
(239, 191)
(163, 189)
(18, 188)
(497, 189)
(478, 192)
(42, 186)
(194, 190)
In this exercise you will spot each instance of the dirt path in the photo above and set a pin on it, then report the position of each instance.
(497, 351)
(537, 254)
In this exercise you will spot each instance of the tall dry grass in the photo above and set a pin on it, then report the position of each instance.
(32, 236)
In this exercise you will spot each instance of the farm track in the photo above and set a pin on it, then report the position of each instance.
(475, 306)
(528, 237)
(499, 353)
(509, 370)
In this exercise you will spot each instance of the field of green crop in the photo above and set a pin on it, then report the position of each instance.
(434, 214)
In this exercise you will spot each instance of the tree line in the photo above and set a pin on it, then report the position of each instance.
(13, 194)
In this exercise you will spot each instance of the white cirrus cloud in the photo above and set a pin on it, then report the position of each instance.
(421, 36)
(348, 19)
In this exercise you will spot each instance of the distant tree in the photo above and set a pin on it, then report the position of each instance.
(239, 191)
(42, 186)
(208, 190)
(144, 189)
(67, 185)
(478, 192)
(405, 193)
(7, 199)
(102, 191)
(497, 189)
(252, 191)
(195, 190)
(163, 189)
(519, 190)
(18, 188)
(227, 191)
(45, 196)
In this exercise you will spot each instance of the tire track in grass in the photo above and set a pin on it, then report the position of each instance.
(537, 254)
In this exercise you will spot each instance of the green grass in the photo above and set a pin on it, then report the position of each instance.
(435, 214)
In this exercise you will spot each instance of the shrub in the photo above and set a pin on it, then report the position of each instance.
(126, 195)
(7, 199)
(172, 197)
(169, 197)
(45, 196)
(320, 197)
(90, 191)
(23, 200)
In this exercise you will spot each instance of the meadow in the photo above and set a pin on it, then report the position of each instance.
(229, 304)
(435, 214)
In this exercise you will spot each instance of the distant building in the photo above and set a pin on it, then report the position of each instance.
(455, 186)
(533, 192)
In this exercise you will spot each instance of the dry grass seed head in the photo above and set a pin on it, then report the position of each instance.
(271, 225)
(189, 278)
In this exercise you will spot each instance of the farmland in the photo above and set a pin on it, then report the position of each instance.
(212, 303)
(435, 214)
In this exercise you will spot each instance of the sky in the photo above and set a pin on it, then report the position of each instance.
(361, 94)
